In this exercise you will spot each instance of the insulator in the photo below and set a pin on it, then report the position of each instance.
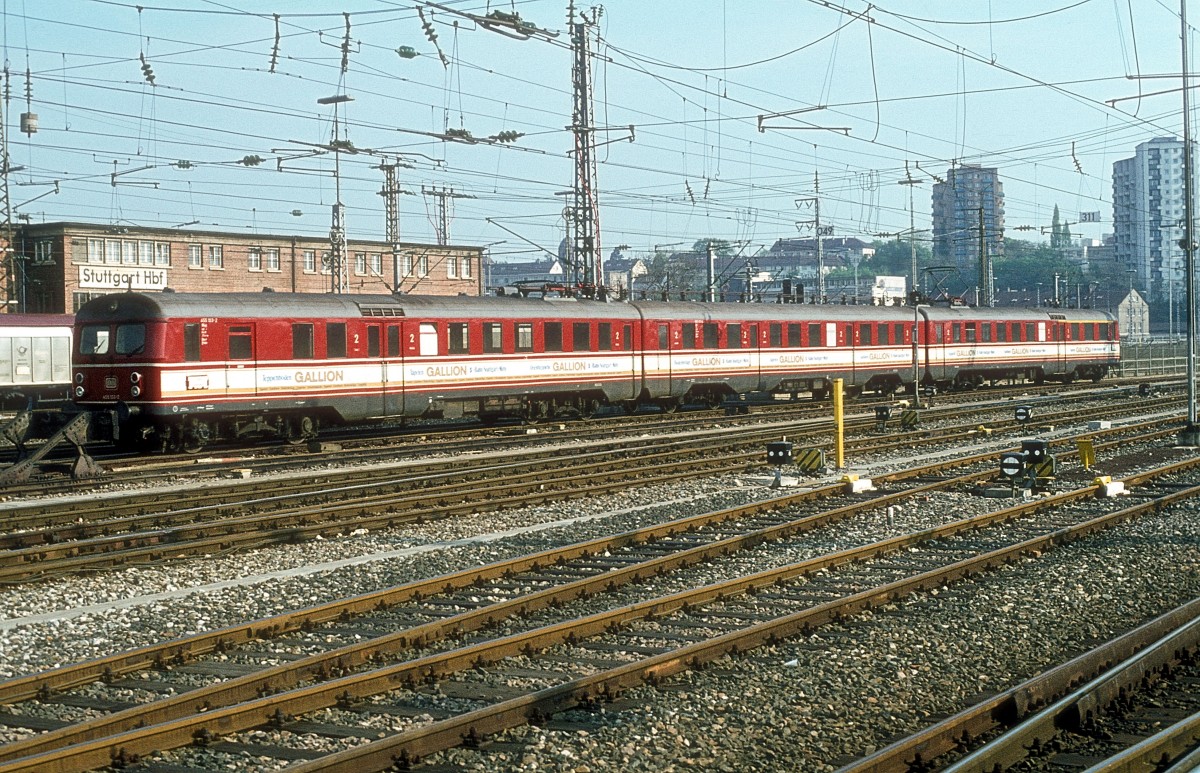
(407, 52)
(183, 164)
(251, 160)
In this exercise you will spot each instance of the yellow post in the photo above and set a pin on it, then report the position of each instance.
(1087, 452)
(839, 425)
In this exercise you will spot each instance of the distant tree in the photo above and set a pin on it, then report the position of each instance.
(894, 258)
(721, 247)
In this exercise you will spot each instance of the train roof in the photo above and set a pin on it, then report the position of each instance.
(328, 305)
(1013, 314)
(794, 312)
(35, 320)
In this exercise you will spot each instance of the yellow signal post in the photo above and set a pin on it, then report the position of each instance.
(1087, 452)
(839, 425)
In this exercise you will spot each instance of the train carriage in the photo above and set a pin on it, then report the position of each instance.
(965, 346)
(35, 359)
(186, 368)
(182, 369)
(707, 352)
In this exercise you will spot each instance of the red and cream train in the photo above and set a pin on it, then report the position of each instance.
(182, 369)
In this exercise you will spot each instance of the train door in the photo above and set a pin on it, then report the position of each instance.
(393, 371)
(241, 376)
(376, 369)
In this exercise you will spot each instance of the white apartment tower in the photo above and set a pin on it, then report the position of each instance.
(1148, 220)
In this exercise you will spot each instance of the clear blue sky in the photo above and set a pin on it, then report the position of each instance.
(1011, 84)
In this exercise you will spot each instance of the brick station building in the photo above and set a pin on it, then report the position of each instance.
(56, 267)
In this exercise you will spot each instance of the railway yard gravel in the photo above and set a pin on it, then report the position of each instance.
(805, 704)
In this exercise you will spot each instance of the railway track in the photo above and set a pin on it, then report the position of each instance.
(384, 444)
(651, 637)
(49, 538)
(1137, 709)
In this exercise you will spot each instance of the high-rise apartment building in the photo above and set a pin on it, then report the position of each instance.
(970, 195)
(1148, 218)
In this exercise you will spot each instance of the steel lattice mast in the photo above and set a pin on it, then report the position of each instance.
(583, 216)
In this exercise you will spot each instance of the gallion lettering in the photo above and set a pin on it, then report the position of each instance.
(706, 361)
(320, 377)
(446, 370)
(570, 366)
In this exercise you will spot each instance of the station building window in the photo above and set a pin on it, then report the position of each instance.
(254, 260)
(195, 257)
(310, 261)
(271, 258)
(216, 256)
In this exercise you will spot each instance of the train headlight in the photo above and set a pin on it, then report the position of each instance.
(136, 391)
(78, 378)
(135, 377)
(79, 391)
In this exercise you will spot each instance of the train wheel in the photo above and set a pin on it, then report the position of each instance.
(630, 406)
(195, 437)
(301, 431)
(668, 405)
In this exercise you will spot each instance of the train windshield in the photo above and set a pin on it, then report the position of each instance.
(131, 339)
(98, 339)
(93, 339)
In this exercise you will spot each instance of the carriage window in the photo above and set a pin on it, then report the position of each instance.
(1002, 332)
(552, 333)
(372, 340)
(985, 333)
(937, 333)
(1030, 331)
(793, 335)
(775, 331)
(302, 341)
(885, 335)
(814, 334)
(393, 336)
(456, 338)
(191, 342)
(240, 347)
(94, 340)
(604, 342)
(864, 335)
(689, 335)
(956, 333)
(970, 332)
(733, 336)
(335, 339)
(712, 335)
(493, 337)
(428, 339)
(664, 332)
(524, 336)
(581, 337)
(627, 340)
